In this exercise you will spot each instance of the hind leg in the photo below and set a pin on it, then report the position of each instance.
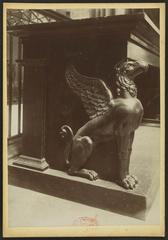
(82, 149)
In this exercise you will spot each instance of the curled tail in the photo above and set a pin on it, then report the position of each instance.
(67, 135)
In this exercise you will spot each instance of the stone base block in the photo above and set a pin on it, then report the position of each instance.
(31, 162)
(100, 193)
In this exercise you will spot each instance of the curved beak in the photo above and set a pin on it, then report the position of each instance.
(144, 66)
(141, 68)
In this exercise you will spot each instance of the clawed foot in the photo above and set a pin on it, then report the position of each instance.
(129, 182)
(85, 173)
(92, 175)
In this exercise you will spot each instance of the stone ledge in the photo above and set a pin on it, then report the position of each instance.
(100, 193)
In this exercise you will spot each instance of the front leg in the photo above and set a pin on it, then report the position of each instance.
(124, 149)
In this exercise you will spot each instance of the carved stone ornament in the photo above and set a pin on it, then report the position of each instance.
(110, 118)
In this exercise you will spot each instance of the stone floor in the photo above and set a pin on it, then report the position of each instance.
(33, 209)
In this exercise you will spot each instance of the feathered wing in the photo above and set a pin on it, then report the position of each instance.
(94, 93)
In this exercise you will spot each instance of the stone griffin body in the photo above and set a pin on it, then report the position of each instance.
(110, 118)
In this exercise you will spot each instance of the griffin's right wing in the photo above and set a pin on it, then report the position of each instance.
(94, 93)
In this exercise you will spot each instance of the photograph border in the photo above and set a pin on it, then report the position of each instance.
(132, 230)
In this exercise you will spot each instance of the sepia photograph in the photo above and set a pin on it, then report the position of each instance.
(83, 104)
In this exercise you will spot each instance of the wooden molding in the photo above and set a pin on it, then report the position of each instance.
(120, 27)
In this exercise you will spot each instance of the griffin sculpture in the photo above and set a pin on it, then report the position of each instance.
(110, 118)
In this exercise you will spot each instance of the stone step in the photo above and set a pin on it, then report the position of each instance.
(100, 193)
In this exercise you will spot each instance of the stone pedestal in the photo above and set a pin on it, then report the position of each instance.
(101, 194)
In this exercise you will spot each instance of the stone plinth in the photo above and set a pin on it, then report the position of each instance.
(100, 193)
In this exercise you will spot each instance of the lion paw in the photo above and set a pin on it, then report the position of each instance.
(129, 182)
(90, 174)
(93, 175)
(85, 173)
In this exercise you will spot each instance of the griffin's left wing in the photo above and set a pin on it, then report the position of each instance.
(95, 95)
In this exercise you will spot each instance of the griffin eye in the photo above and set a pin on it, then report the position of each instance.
(130, 67)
